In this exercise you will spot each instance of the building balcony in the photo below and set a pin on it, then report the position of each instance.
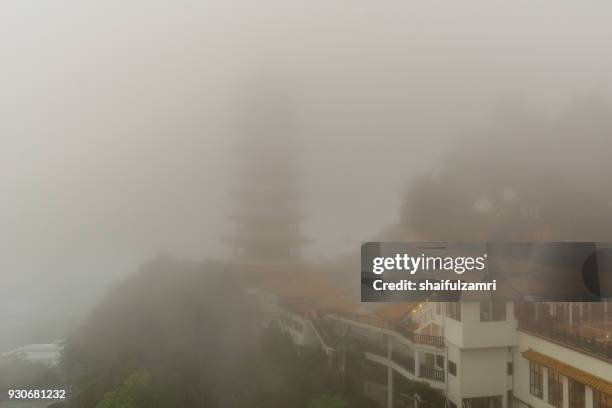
(431, 373)
(400, 328)
(405, 330)
(583, 337)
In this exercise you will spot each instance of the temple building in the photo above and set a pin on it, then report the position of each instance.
(266, 215)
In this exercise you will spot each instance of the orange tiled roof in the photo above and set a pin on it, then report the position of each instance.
(396, 311)
(304, 287)
(567, 370)
(343, 303)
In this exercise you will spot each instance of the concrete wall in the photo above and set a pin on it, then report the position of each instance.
(454, 386)
(483, 372)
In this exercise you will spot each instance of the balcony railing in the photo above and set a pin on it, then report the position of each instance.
(561, 334)
(420, 338)
(436, 341)
(431, 373)
(399, 327)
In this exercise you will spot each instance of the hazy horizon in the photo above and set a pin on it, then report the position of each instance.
(118, 119)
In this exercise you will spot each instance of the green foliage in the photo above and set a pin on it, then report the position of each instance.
(329, 401)
(190, 331)
(429, 397)
(423, 392)
(522, 177)
(186, 324)
(285, 375)
(137, 391)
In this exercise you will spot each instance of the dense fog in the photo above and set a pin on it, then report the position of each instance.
(118, 122)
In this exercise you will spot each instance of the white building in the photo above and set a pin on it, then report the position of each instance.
(477, 354)
(48, 354)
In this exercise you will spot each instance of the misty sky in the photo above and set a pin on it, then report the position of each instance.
(116, 116)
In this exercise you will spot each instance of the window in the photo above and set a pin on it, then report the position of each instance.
(498, 311)
(453, 310)
(492, 311)
(430, 359)
(440, 361)
(575, 311)
(483, 402)
(555, 388)
(586, 312)
(535, 380)
(485, 311)
(510, 368)
(452, 368)
(601, 400)
(576, 394)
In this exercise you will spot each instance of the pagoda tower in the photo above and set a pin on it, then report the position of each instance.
(266, 215)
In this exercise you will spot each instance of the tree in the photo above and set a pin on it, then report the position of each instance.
(190, 331)
(137, 391)
(523, 177)
(186, 324)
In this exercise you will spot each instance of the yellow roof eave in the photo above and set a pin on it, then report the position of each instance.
(567, 370)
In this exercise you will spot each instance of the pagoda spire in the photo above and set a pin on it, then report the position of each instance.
(266, 215)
